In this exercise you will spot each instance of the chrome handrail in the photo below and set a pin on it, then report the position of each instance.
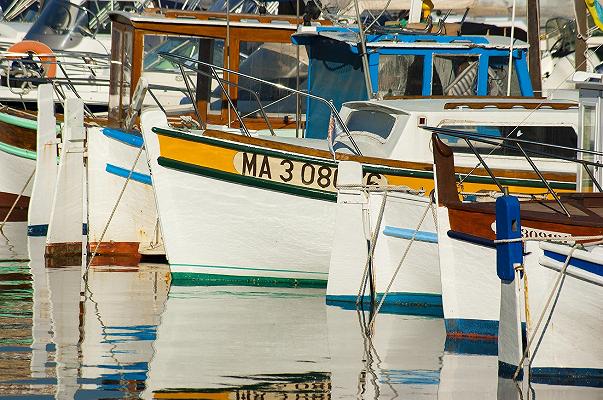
(186, 61)
(517, 144)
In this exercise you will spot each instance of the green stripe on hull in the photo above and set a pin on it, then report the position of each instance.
(247, 180)
(19, 121)
(203, 279)
(17, 151)
(411, 173)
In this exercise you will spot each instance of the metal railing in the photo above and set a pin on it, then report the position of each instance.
(196, 65)
(516, 144)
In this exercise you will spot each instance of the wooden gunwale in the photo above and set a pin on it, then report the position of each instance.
(254, 141)
(476, 218)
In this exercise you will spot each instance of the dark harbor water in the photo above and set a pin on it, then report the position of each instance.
(128, 334)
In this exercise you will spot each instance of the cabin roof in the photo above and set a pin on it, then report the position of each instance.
(201, 18)
(349, 36)
(444, 104)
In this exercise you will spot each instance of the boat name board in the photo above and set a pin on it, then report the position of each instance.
(298, 173)
(533, 233)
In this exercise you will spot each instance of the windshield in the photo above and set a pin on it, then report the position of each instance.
(61, 24)
(238, 6)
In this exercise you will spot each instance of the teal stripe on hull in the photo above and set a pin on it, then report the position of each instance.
(204, 279)
(17, 151)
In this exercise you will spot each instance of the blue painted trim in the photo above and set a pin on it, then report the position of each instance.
(427, 75)
(591, 377)
(131, 139)
(471, 239)
(523, 76)
(404, 233)
(591, 267)
(124, 173)
(398, 303)
(37, 230)
(373, 60)
(463, 345)
(482, 75)
(472, 328)
(42, 230)
(506, 370)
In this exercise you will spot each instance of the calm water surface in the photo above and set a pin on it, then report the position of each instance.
(128, 334)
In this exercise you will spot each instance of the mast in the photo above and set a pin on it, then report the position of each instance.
(580, 63)
(533, 11)
(365, 64)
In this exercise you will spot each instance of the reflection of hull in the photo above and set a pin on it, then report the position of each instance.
(210, 338)
(13, 241)
(121, 315)
(474, 376)
(404, 361)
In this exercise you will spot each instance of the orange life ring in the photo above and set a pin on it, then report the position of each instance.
(32, 46)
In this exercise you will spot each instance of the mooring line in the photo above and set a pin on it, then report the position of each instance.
(102, 236)
(16, 201)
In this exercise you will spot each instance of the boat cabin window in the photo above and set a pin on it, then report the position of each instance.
(454, 75)
(588, 142)
(400, 75)
(165, 73)
(121, 74)
(276, 63)
(555, 135)
(372, 121)
(498, 68)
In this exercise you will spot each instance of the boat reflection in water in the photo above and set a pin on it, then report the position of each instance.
(122, 335)
(282, 342)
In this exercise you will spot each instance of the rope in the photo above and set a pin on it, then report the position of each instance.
(12, 208)
(546, 306)
(391, 282)
(371, 249)
(563, 239)
(526, 308)
(123, 189)
(380, 188)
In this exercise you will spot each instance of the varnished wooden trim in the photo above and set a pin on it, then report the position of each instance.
(504, 105)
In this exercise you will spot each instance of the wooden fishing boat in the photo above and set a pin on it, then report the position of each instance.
(270, 201)
(112, 146)
(466, 233)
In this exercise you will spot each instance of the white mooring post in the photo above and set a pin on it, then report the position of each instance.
(65, 231)
(40, 204)
(349, 252)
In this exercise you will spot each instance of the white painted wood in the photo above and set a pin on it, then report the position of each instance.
(135, 219)
(350, 246)
(67, 206)
(568, 341)
(509, 328)
(415, 11)
(45, 178)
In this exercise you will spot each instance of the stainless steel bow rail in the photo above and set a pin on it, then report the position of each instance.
(61, 85)
(197, 65)
(516, 144)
